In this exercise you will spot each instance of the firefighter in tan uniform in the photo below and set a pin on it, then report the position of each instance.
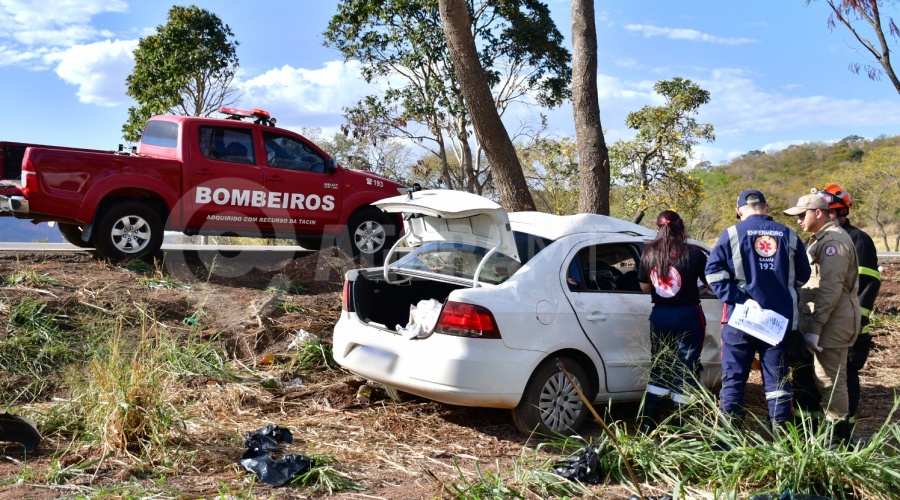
(829, 306)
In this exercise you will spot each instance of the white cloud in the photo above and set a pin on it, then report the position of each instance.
(30, 27)
(685, 34)
(98, 70)
(738, 105)
(307, 97)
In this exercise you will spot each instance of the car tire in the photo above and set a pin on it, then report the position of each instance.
(72, 234)
(370, 235)
(398, 396)
(128, 230)
(550, 405)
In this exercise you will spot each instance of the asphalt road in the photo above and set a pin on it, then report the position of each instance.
(234, 260)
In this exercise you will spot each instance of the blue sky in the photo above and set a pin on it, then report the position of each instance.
(776, 74)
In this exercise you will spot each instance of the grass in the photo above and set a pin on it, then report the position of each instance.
(28, 277)
(153, 277)
(35, 345)
(324, 478)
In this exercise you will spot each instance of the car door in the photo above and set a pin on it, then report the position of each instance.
(308, 194)
(227, 191)
(602, 287)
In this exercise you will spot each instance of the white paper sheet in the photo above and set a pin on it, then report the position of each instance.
(764, 324)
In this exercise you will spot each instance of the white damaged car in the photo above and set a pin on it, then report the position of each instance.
(487, 305)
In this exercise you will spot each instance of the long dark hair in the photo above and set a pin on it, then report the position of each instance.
(669, 246)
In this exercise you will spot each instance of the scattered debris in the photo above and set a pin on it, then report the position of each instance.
(422, 318)
(789, 495)
(584, 467)
(303, 337)
(270, 470)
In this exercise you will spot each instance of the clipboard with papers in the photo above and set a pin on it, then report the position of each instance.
(764, 324)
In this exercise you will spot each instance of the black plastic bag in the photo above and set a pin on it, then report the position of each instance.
(585, 467)
(270, 470)
(20, 430)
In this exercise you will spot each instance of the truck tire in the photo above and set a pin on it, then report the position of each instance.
(370, 235)
(550, 405)
(72, 234)
(128, 230)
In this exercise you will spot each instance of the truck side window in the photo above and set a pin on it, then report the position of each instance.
(291, 154)
(227, 144)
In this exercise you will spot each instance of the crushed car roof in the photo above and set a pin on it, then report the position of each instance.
(556, 226)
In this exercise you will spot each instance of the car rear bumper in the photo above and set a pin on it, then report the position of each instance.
(468, 372)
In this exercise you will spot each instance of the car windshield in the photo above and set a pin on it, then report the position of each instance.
(459, 260)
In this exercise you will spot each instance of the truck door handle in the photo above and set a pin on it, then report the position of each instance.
(596, 317)
(275, 178)
(204, 172)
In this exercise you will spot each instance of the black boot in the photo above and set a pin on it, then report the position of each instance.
(840, 434)
(649, 418)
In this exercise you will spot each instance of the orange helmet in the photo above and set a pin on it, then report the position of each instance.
(838, 199)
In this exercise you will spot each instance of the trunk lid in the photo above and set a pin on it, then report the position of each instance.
(453, 216)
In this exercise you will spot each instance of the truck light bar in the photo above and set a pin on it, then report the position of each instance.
(261, 116)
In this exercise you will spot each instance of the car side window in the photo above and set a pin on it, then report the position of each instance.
(604, 268)
(227, 144)
(291, 154)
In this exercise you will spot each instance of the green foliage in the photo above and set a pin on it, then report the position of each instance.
(551, 167)
(402, 41)
(323, 477)
(186, 68)
(652, 167)
(36, 343)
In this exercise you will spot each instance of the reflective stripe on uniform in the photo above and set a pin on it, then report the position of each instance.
(777, 394)
(736, 259)
(716, 277)
(868, 271)
(680, 399)
(865, 312)
(808, 414)
(657, 391)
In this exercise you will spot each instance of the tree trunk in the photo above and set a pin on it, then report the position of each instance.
(593, 155)
(489, 129)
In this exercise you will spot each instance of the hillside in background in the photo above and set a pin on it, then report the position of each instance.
(864, 167)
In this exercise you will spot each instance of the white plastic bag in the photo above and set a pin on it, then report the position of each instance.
(422, 318)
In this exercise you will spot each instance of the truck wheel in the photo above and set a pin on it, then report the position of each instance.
(550, 405)
(72, 234)
(371, 234)
(127, 230)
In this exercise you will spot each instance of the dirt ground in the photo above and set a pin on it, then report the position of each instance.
(394, 450)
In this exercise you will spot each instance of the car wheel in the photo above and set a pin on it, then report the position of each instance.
(370, 235)
(398, 396)
(127, 230)
(72, 234)
(550, 404)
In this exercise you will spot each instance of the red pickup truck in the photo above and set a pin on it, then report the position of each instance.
(208, 176)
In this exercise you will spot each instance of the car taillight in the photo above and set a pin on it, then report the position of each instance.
(29, 177)
(345, 297)
(467, 320)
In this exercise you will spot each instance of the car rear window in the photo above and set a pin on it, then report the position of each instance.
(160, 133)
(459, 260)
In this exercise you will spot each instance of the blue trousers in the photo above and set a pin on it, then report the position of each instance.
(738, 350)
(676, 341)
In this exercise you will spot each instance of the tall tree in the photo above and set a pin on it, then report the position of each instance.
(186, 68)
(489, 129)
(593, 155)
(854, 15)
(402, 44)
(653, 167)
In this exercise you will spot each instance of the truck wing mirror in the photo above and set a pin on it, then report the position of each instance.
(330, 165)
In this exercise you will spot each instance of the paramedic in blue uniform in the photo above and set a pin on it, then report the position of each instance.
(759, 263)
(670, 270)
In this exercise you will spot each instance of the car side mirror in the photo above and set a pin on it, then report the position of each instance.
(330, 165)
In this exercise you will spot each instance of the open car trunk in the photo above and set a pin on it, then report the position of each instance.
(387, 305)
